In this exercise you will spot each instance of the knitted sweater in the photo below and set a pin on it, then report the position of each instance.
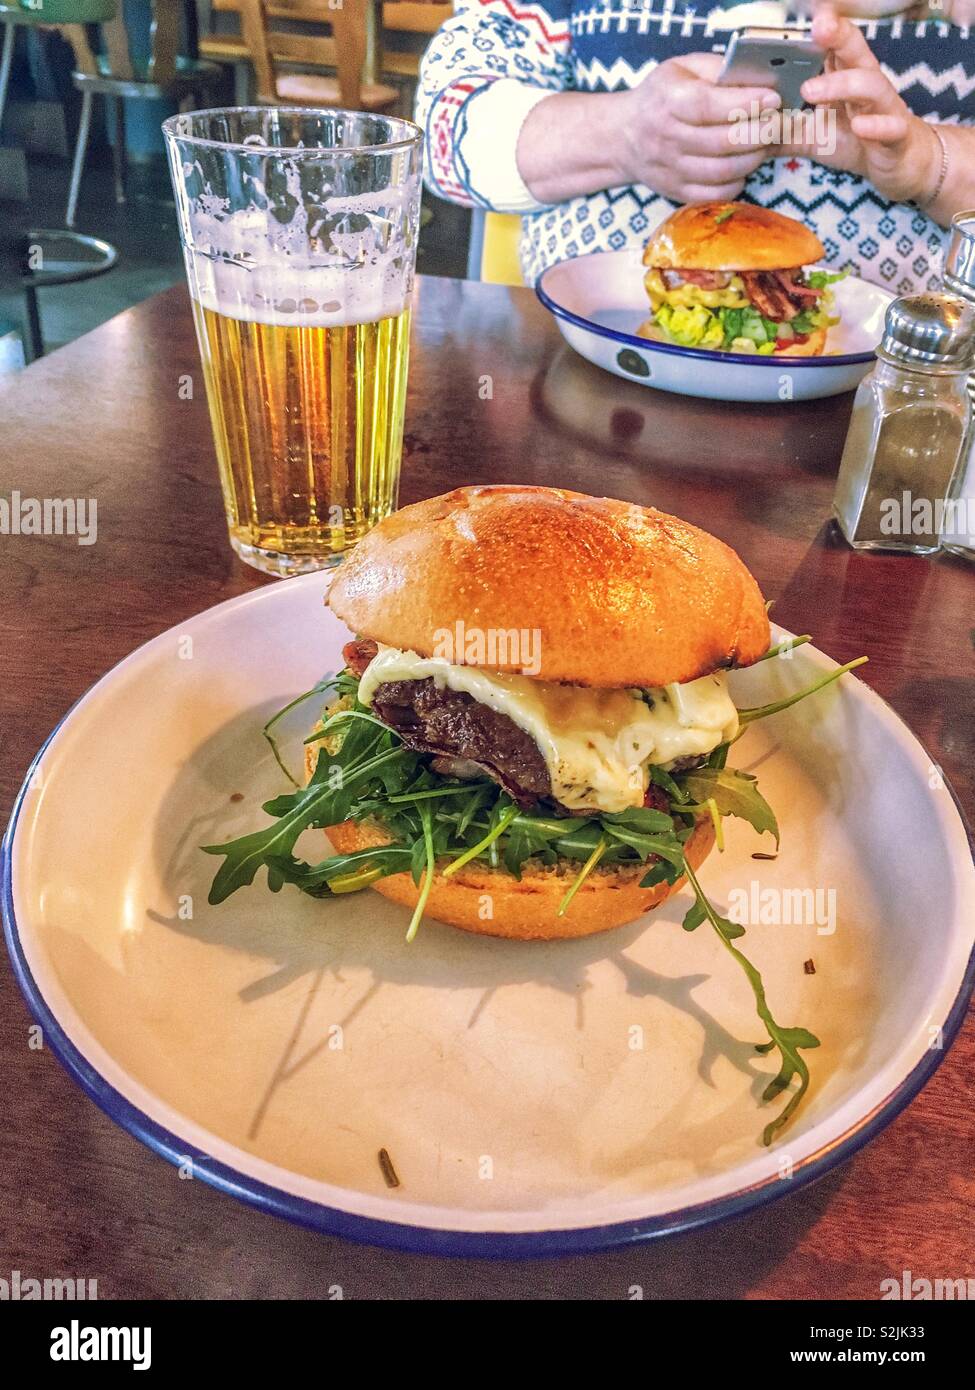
(495, 59)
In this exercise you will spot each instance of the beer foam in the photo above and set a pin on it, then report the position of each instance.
(247, 266)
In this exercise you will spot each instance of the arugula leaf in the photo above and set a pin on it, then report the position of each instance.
(788, 645)
(660, 778)
(429, 866)
(598, 851)
(748, 716)
(317, 804)
(340, 873)
(734, 793)
(787, 1040)
(321, 687)
(640, 818)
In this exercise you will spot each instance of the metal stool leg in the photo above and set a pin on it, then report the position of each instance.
(118, 150)
(242, 84)
(35, 340)
(9, 34)
(80, 149)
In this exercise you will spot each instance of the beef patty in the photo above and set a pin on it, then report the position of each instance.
(456, 728)
(465, 736)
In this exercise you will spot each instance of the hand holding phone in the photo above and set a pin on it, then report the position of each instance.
(782, 59)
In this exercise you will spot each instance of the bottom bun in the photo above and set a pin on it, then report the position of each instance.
(526, 909)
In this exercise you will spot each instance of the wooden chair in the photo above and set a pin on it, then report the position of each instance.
(114, 72)
(351, 49)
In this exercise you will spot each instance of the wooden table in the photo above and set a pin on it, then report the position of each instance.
(494, 397)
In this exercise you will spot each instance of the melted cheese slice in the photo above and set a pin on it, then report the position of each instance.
(597, 744)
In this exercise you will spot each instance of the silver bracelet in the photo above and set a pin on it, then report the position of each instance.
(942, 176)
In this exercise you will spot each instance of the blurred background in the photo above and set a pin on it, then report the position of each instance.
(87, 222)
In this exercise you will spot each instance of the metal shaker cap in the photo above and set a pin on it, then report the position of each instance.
(959, 267)
(936, 330)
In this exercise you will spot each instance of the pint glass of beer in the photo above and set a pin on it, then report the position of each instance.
(299, 233)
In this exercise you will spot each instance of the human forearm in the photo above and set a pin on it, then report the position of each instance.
(673, 133)
(568, 146)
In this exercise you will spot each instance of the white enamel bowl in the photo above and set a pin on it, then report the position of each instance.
(533, 1098)
(599, 303)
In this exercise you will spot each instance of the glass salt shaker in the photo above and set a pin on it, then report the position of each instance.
(958, 532)
(910, 418)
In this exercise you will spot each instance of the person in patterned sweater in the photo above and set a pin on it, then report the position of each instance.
(595, 118)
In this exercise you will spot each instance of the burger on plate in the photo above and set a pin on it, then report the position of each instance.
(605, 633)
(733, 277)
(529, 738)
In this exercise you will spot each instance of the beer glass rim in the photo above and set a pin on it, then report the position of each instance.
(175, 128)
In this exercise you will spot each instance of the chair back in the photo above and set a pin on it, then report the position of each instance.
(276, 33)
(116, 58)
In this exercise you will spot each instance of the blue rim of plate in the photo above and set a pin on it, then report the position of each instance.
(427, 1240)
(746, 359)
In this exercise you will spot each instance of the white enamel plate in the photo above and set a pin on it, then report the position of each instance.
(599, 303)
(532, 1098)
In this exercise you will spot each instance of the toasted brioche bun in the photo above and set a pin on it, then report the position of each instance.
(525, 909)
(620, 595)
(752, 238)
(814, 346)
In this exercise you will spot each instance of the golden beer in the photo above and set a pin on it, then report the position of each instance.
(299, 228)
(308, 427)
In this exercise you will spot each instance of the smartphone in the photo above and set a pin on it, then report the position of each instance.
(779, 58)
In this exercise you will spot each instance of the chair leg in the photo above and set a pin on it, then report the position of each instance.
(242, 84)
(35, 340)
(80, 149)
(118, 150)
(6, 59)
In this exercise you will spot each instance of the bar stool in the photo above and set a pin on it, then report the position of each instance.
(37, 269)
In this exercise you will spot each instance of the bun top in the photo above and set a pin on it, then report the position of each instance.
(703, 236)
(619, 595)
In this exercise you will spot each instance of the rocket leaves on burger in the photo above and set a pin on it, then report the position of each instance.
(734, 793)
(363, 772)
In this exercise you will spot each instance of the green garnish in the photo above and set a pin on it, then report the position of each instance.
(325, 684)
(723, 216)
(427, 872)
(820, 279)
(748, 716)
(364, 772)
(734, 793)
(582, 875)
(787, 1040)
(789, 645)
(495, 833)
